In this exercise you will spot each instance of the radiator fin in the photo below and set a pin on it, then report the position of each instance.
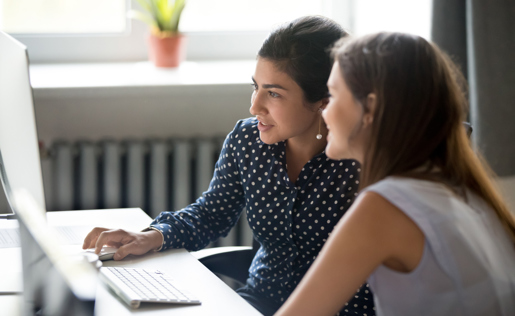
(135, 174)
(158, 178)
(63, 177)
(111, 175)
(88, 176)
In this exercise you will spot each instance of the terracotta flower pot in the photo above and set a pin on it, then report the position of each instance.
(167, 51)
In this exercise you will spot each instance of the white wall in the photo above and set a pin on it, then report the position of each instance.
(139, 112)
(136, 112)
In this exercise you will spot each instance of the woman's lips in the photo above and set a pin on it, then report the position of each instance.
(264, 127)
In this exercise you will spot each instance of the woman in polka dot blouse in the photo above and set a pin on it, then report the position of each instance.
(274, 166)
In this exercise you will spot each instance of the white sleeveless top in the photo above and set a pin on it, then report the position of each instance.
(468, 263)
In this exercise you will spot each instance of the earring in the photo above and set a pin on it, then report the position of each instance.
(319, 135)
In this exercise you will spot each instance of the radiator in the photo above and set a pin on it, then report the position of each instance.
(155, 175)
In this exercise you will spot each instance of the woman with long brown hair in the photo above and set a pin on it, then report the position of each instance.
(429, 230)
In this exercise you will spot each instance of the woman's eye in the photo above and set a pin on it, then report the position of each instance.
(254, 86)
(273, 94)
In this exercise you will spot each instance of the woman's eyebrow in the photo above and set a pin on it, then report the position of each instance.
(270, 85)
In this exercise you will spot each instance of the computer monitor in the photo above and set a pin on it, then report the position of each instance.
(54, 282)
(18, 137)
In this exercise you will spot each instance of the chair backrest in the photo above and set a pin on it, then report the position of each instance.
(255, 246)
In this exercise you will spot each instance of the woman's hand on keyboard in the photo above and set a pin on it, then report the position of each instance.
(135, 243)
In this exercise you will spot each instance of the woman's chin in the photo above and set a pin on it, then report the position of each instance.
(331, 155)
(268, 140)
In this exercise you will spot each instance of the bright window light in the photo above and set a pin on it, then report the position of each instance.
(63, 16)
(244, 15)
(217, 30)
(406, 16)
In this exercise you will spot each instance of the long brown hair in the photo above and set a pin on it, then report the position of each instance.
(417, 125)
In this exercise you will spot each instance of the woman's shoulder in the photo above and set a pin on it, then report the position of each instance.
(244, 131)
(415, 197)
(244, 136)
(397, 184)
(246, 126)
(427, 202)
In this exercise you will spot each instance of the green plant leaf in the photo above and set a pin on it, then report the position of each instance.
(165, 14)
(156, 14)
(166, 8)
(176, 15)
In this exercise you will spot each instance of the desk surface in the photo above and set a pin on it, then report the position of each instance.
(217, 298)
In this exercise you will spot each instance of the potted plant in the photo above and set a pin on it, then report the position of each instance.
(166, 46)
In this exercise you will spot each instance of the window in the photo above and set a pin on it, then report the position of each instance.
(406, 16)
(63, 16)
(245, 15)
(235, 29)
(74, 30)
(98, 30)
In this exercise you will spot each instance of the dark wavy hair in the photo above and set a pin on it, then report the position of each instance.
(300, 48)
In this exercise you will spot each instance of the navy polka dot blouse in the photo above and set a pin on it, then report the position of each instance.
(290, 221)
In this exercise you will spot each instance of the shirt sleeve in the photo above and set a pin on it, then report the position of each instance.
(214, 213)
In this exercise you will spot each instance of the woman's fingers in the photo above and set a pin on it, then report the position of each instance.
(124, 251)
(114, 244)
(140, 243)
(119, 236)
(126, 242)
(91, 238)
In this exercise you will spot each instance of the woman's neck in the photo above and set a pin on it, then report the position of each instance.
(299, 151)
(304, 150)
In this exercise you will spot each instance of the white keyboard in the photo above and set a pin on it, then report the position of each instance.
(141, 285)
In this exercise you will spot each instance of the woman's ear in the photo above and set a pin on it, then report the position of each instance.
(370, 109)
(322, 104)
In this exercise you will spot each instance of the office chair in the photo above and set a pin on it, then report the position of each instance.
(234, 262)
(229, 262)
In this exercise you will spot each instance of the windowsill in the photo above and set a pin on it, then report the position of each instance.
(140, 74)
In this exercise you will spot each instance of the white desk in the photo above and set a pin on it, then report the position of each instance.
(217, 298)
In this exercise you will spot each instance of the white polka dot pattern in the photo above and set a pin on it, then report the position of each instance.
(290, 221)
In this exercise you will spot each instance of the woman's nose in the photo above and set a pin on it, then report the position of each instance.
(256, 105)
